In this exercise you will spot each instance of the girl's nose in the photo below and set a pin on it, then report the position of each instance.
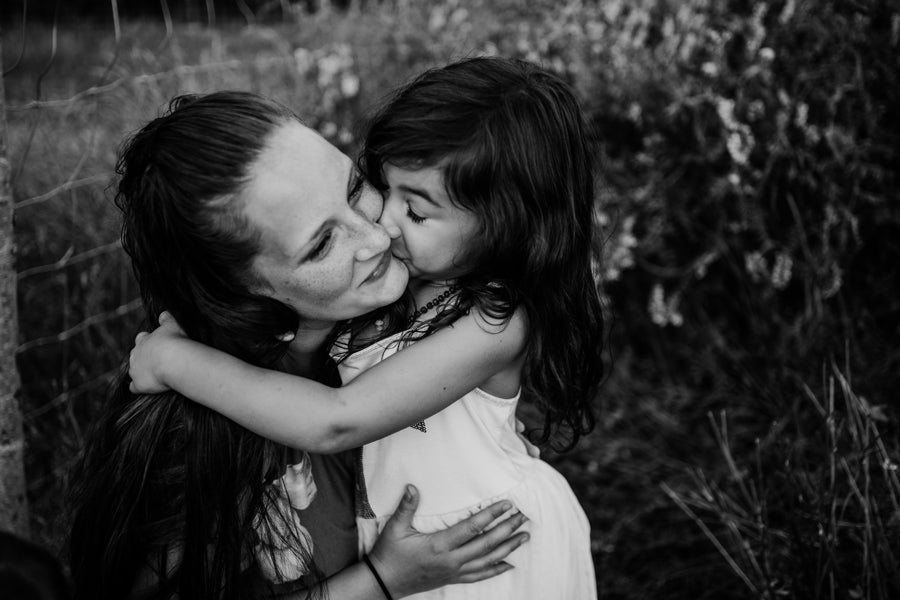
(388, 221)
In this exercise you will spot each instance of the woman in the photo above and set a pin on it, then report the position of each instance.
(257, 235)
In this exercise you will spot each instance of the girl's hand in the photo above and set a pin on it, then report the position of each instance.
(410, 562)
(148, 351)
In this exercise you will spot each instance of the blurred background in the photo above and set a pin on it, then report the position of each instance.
(749, 150)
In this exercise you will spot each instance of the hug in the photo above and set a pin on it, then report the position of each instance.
(327, 407)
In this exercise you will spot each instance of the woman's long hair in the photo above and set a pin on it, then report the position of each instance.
(511, 142)
(169, 494)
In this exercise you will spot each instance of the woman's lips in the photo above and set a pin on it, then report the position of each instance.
(380, 269)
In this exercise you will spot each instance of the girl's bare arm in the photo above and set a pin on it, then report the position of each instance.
(409, 386)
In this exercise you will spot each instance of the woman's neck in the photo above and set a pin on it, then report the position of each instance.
(302, 357)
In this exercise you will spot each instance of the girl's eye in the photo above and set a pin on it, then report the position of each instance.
(321, 248)
(413, 216)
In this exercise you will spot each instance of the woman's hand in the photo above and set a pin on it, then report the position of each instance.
(410, 562)
(145, 357)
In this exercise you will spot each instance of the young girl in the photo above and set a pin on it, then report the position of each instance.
(488, 187)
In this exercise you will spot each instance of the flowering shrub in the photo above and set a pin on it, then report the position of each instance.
(748, 171)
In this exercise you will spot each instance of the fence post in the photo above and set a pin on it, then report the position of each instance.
(13, 503)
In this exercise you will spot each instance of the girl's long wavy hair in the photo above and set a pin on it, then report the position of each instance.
(169, 495)
(511, 141)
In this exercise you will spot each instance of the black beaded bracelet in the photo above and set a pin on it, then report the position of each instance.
(387, 594)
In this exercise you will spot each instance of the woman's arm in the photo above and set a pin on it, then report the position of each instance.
(407, 387)
(409, 562)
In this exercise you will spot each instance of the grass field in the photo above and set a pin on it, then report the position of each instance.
(748, 441)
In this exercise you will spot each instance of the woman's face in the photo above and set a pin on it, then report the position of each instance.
(321, 251)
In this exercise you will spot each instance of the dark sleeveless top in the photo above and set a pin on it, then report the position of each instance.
(331, 517)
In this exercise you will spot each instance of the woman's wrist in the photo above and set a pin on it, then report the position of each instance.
(378, 579)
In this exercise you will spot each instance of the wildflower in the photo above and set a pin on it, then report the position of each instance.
(702, 264)
(345, 137)
(725, 108)
(304, 59)
(767, 54)
(737, 148)
(328, 129)
(438, 20)
(349, 85)
(755, 110)
(664, 312)
(621, 256)
(781, 271)
(834, 282)
(802, 112)
(755, 265)
(657, 306)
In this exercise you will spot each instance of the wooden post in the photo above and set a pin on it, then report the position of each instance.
(13, 503)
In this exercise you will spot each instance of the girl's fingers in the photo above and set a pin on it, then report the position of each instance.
(474, 526)
(141, 335)
(498, 535)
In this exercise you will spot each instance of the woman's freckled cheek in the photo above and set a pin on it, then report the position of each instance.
(323, 285)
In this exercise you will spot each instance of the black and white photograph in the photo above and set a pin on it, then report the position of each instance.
(450, 300)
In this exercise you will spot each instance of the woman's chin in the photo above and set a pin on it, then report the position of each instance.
(396, 280)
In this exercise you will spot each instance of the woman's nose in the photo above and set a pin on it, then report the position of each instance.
(374, 240)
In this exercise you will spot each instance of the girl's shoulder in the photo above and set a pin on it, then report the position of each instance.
(508, 334)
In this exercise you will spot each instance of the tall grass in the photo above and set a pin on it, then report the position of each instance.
(814, 511)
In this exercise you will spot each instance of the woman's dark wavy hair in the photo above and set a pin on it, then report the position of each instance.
(511, 141)
(168, 491)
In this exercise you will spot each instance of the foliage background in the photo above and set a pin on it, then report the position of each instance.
(748, 444)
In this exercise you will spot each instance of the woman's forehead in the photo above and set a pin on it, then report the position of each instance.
(298, 182)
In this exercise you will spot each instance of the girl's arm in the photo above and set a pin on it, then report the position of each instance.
(407, 387)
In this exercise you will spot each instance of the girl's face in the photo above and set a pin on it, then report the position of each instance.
(321, 251)
(430, 235)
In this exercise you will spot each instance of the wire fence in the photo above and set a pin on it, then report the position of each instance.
(73, 93)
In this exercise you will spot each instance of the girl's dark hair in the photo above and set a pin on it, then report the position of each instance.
(169, 494)
(511, 141)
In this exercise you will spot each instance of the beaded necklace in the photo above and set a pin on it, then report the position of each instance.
(432, 303)
(437, 300)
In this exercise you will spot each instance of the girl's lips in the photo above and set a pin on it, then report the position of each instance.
(380, 269)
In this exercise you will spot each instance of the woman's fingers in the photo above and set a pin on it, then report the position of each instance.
(475, 525)
(485, 573)
(498, 536)
(141, 335)
(495, 556)
(402, 518)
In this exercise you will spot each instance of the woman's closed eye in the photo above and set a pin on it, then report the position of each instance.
(356, 188)
(321, 248)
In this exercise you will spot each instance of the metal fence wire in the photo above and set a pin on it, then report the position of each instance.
(74, 91)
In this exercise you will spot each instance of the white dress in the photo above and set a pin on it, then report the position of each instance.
(463, 459)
